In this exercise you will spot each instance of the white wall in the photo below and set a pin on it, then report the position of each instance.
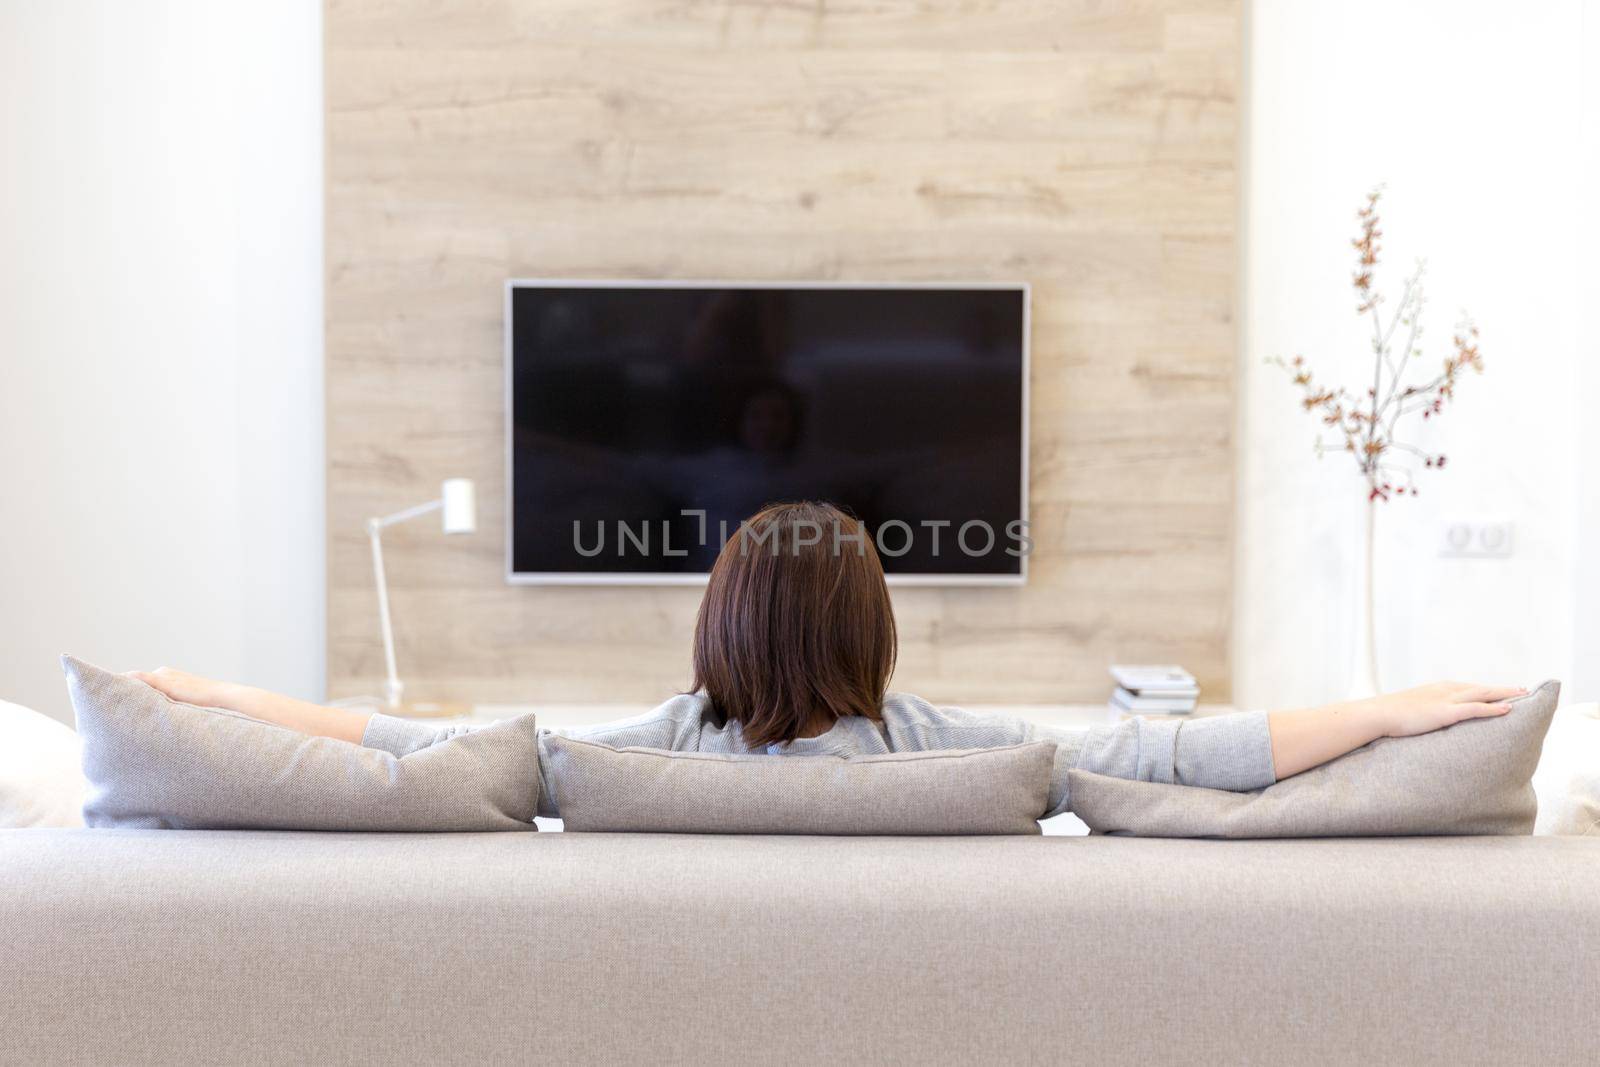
(1586, 600)
(1475, 116)
(160, 341)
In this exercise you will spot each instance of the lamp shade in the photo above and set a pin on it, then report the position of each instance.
(460, 506)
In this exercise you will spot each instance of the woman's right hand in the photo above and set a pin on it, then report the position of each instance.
(1303, 739)
(189, 688)
(1433, 707)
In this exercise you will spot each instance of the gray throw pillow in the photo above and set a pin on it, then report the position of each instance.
(159, 764)
(648, 790)
(1470, 778)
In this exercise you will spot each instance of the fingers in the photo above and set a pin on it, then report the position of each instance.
(1489, 693)
(1479, 709)
(160, 680)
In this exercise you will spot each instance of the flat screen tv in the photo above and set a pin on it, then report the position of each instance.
(647, 419)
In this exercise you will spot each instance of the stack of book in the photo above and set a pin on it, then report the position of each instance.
(1157, 690)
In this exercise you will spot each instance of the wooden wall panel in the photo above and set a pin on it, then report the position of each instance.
(1085, 146)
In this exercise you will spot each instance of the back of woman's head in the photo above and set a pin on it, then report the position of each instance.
(796, 628)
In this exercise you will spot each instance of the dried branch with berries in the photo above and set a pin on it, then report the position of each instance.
(1366, 423)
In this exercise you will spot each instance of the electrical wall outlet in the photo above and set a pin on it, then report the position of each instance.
(1476, 539)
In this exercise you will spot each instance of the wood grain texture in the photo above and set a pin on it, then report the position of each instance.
(1085, 146)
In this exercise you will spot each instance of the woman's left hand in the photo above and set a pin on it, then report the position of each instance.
(188, 688)
(308, 718)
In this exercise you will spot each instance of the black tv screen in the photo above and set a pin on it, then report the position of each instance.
(647, 420)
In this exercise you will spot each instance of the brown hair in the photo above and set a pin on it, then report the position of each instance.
(796, 629)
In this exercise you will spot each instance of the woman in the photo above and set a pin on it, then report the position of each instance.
(793, 650)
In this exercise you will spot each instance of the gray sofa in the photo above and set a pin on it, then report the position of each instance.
(162, 946)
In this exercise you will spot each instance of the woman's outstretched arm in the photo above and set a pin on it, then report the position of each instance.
(343, 724)
(1247, 750)
(1303, 739)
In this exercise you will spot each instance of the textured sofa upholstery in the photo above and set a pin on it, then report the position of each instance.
(143, 946)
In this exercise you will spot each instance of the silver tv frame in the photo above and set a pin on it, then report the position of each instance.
(514, 577)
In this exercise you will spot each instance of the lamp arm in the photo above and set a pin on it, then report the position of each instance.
(406, 514)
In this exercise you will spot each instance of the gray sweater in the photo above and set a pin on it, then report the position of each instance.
(1222, 752)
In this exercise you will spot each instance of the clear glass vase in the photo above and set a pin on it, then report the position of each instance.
(1364, 658)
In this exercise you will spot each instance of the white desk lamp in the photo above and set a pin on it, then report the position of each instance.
(459, 505)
